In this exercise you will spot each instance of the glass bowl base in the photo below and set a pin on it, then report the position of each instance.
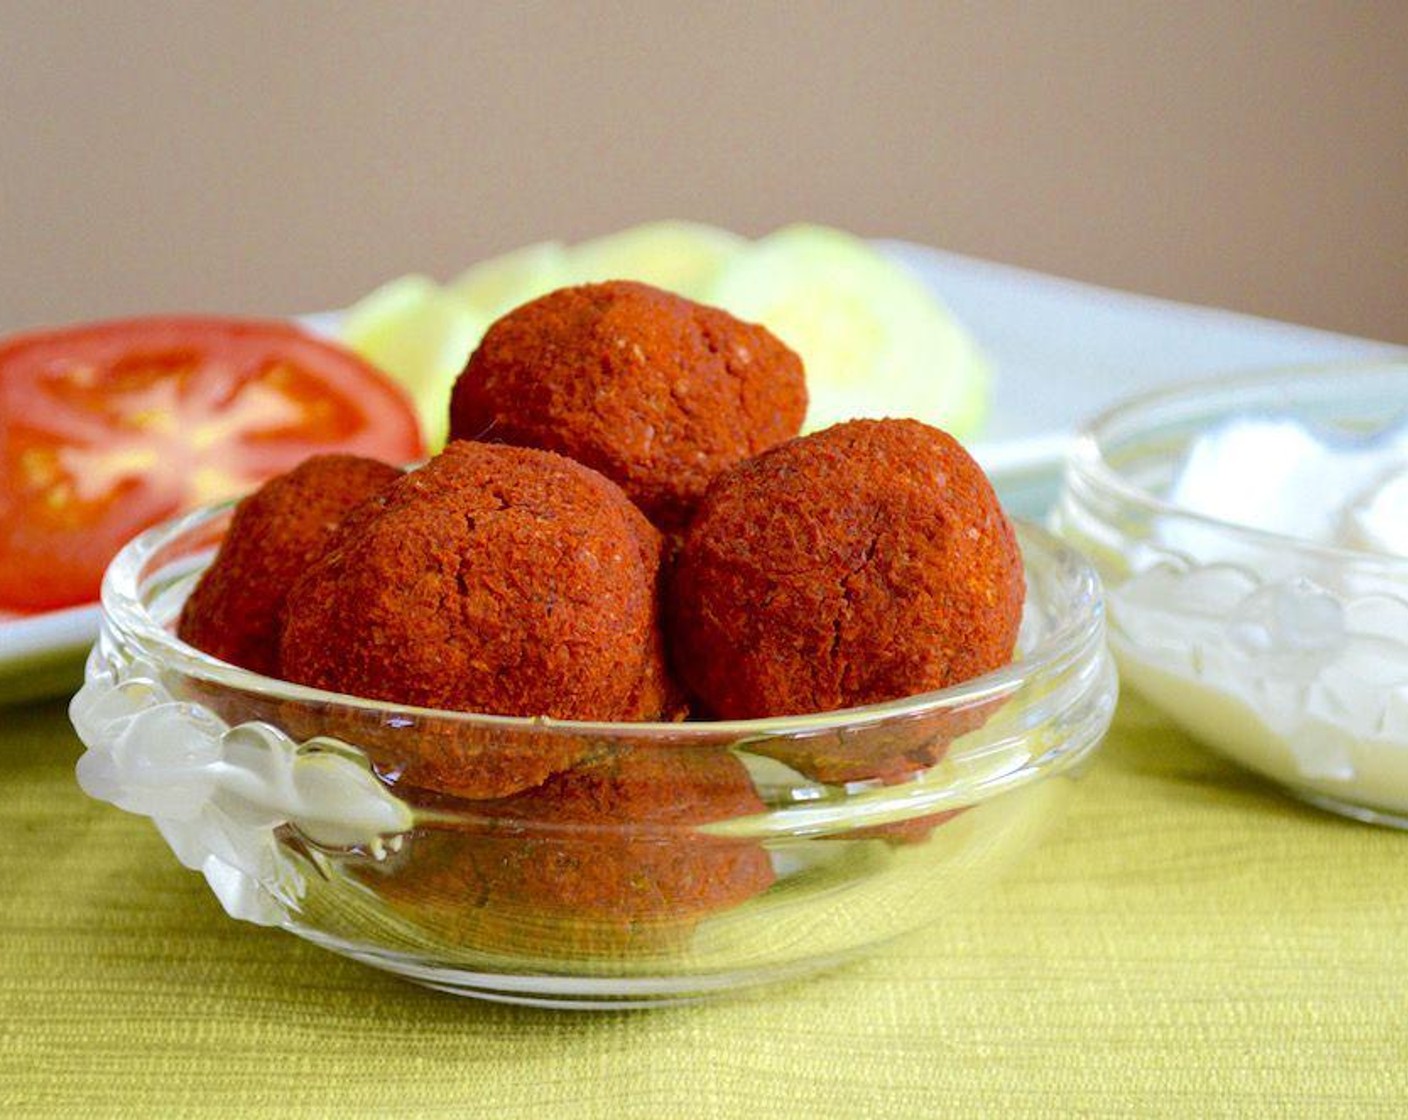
(1385, 818)
(582, 993)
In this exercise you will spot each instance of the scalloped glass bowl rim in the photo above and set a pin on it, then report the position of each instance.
(1087, 456)
(125, 611)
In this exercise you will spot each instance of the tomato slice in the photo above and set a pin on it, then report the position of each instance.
(107, 428)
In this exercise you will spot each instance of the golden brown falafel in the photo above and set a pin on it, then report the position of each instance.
(494, 579)
(655, 391)
(864, 563)
(274, 535)
(602, 858)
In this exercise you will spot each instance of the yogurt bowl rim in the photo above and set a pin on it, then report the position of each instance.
(1086, 457)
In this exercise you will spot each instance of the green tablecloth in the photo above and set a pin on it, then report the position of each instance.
(1188, 943)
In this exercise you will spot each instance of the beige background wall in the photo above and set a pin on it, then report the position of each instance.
(275, 157)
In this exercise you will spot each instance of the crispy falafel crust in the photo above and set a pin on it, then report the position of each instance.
(274, 535)
(494, 579)
(655, 391)
(864, 563)
(603, 858)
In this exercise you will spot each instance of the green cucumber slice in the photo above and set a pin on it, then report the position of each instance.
(499, 284)
(420, 335)
(682, 257)
(874, 340)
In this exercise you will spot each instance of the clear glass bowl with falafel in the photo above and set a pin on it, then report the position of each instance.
(631, 694)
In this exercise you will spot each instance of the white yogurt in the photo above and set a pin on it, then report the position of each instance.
(1295, 666)
(1377, 519)
(1278, 476)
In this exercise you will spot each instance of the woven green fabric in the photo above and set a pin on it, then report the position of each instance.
(1188, 943)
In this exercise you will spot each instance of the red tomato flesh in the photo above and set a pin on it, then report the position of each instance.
(108, 428)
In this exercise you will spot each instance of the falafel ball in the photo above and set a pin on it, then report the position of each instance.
(655, 391)
(274, 535)
(494, 579)
(603, 858)
(864, 563)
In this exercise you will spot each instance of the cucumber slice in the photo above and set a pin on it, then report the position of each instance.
(875, 342)
(420, 335)
(682, 257)
(499, 284)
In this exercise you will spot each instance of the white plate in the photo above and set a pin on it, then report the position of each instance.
(1061, 350)
(42, 654)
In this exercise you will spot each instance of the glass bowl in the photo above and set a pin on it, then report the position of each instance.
(1287, 656)
(639, 863)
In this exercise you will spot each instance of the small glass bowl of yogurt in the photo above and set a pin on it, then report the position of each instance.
(1252, 536)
